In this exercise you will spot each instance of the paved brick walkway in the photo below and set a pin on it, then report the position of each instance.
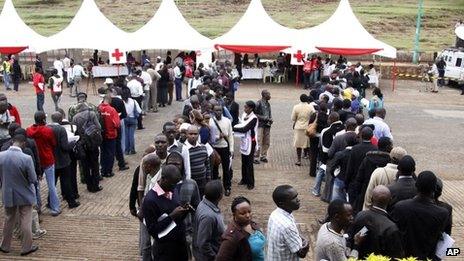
(102, 228)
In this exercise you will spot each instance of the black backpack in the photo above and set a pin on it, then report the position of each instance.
(91, 134)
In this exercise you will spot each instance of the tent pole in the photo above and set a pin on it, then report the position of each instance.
(297, 80)
(394, 75)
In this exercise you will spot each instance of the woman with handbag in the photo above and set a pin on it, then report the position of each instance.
(130, 122)
(300, 117)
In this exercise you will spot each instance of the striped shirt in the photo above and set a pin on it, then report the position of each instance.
(284, 240)
(199, 161)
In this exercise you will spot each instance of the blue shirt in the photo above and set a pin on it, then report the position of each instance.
(257, 242)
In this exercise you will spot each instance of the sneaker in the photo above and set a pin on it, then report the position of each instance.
(55, 214)
(315, 193)
(39, 233)
(263, 159)
(74, 204)
(256, 161)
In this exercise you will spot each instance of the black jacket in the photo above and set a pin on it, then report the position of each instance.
(358, 153)
(118, 105)
(340, 161)
(62, 148)
(421, 222)
(449, 224)
(383, 236)
(373, 160)
(404, 188)
(328, 137)
(345, 115)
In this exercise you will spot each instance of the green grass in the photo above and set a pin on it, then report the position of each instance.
(392, 21)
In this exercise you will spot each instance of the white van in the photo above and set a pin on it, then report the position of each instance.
(454, 58)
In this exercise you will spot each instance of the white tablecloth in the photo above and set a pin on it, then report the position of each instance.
(109, 71)
(251, 73)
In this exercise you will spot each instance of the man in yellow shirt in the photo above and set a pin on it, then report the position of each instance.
(6, 70)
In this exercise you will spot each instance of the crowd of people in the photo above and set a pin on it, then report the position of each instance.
(377, 204)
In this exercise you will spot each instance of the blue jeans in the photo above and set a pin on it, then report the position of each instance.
(306, 79)
(6, 80)
(129, 125)
(37, 195)
(40, 101)
(319, 178)
(314, 75)
(54, 202)
(123, 136)
(108, 150)
(178, 83)
(338, 190)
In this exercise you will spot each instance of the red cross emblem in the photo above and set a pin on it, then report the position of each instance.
(299, 56)
(117, 54)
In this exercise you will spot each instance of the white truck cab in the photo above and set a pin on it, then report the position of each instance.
(454, 58)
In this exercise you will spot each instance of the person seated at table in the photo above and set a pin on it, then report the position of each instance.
(100, 61)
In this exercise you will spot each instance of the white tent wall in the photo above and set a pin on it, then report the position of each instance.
(257, 28)
(168, 29)
(89, 29)
(15, 33)
(341, 30)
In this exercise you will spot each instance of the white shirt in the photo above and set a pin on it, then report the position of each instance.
(66, 63)
(284, 240)
(58, 65)
(381, 128)
(70, 74)
(177, 72)
(226, 128)
(130, 107)
(78, 71)
(185, 155)
(135, 87)
(146, 80)
(194, 83)
(159, 66)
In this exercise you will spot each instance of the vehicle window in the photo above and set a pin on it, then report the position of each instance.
(449, 58)
(458, 62)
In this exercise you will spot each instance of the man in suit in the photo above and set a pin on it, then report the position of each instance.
(383, 236)
(405, 185)
(358, 153)
(63, 160)
(421, 221)
(17, 177)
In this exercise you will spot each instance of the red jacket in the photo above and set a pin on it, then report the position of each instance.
(45, 140)
(38, 78)
(14, 112)
(110, 119)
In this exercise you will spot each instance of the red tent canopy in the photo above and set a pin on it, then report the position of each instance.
(12, 50)
(250, 48)
(348, 51)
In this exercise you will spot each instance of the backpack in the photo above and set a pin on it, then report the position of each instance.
(92, 134)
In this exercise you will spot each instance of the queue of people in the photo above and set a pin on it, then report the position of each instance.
(373, 192)
(375, 197)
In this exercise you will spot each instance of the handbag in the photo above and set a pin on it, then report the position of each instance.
(311, 130)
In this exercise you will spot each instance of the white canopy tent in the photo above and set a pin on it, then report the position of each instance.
(89, 29)
(168, 29)
(256, 32)
(460, 31)
(341, 34)
(16, 35)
